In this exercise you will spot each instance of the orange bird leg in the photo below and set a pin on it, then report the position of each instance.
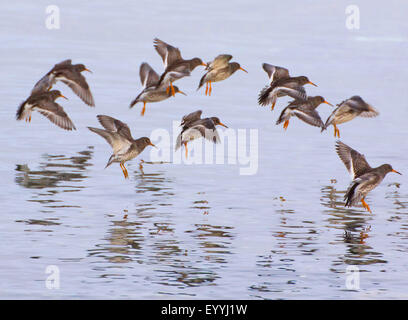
(286, 124)
(168, 89)
(209, 92)
(29, 119)
(365, 205)
(144, 109)
(206, 88)
(173, 91)
(336, 131)
(273, 105)
(124, 170)
(185, 146)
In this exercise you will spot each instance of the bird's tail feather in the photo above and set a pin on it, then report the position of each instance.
(349, 197)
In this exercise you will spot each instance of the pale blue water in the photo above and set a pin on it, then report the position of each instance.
(276, 234)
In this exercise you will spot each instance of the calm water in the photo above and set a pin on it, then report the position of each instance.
(184, 231)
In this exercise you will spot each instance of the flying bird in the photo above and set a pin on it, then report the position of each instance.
(151, 92)
(118, 135)
(304, 110)
(70, 74)
(175, 66)
(347, 111)
(194, 127)
(281, 84)
(44, 103)
(218, 70)
(364, 177)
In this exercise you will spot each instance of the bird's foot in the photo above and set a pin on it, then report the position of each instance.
(185, 146)
(144, 109)
(286, 124)
(273, 106)
(366, 206)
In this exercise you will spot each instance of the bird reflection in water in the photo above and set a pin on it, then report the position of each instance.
(356, 230)
(56, 173)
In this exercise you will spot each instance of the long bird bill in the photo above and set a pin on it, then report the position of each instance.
(310, 82)
(86, 69)
(327, 103)
(151, 144)
(221, 124)
(396, 172)
(181, 92)
(243, 69)
(62, 96)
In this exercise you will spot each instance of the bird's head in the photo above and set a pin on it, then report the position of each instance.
(388, 168)
(305, 80)
(236, 66)
(195, 62)
(146, 142)
(217, 121)
(80, 67)
(320, 99)
(177, 90)
(57, 94)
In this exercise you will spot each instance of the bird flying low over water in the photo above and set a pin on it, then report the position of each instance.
(282, 84)
(44, 103)
(305, 110)
(194, 127)
(70, 74)
(175, 66)
(152, 91)
(347, 111)
(364, 177)
(219, 69)
(118, 135)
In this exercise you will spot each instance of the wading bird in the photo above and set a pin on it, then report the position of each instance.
(44, 103)
(175, 66)
(218, 70)
(281, 84)
(364, 177)
(304, 110)
(152, 92)
(347, 111)
(118, 135)
(70, 74)
(194, 127)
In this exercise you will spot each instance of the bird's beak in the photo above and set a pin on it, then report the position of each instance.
(396, 172)
(221, 124)
(203, 64)
(62, 96)
(327, 103)
(153, 145)
(88, 70)
(310, 82)
(181, 92)
(243, 69)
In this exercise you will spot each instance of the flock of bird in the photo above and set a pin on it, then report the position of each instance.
(158, 88)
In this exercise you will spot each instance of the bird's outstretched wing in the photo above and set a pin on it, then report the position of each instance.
(168, 53)
(354, 161)
(148, 76)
